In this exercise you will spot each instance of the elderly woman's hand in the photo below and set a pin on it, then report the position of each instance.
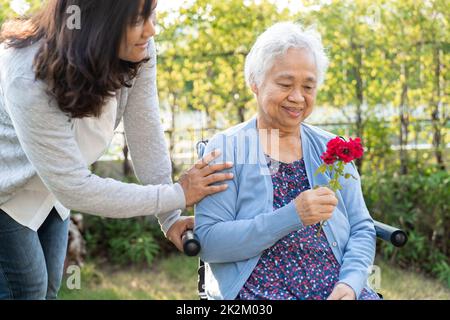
(196, 182)
(342, 292)
(316, 205)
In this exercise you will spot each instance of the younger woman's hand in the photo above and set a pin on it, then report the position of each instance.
(197, 181)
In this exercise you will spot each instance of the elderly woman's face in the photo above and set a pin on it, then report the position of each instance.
(287, 94)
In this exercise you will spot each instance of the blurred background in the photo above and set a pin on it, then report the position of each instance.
(388, 83)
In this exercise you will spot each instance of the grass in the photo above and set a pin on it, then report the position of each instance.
(399, 284)
(175, 278)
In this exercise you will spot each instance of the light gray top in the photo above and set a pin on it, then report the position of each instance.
(37, 138)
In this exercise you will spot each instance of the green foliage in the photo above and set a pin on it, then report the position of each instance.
(135, 240)
(418, 203)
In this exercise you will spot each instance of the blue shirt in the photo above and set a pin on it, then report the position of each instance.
(237, 225)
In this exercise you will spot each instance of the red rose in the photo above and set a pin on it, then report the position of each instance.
(356, 148)
(328, 158)
(333, 145)
(338, 149)
(344, 153)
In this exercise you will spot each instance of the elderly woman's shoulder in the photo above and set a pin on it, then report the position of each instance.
(241, 128)
(231, 137)
(318, 132)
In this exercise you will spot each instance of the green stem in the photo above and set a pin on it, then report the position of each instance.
(334, 174)
(320, 228)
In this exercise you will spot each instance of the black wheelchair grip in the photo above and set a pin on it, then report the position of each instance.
(391, 234)
(191, 246)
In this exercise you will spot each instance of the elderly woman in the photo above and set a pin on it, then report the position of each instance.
(261, 237)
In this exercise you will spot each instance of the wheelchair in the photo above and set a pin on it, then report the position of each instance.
(192, 247)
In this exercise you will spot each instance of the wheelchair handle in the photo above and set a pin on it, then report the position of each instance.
(191, 246)
(200, 147)
(391, 234)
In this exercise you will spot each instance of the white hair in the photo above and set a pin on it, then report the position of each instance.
(276, 41)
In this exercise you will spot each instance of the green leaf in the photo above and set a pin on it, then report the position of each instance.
(322, 169)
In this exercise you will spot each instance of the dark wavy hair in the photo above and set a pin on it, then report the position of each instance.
(81, 66)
